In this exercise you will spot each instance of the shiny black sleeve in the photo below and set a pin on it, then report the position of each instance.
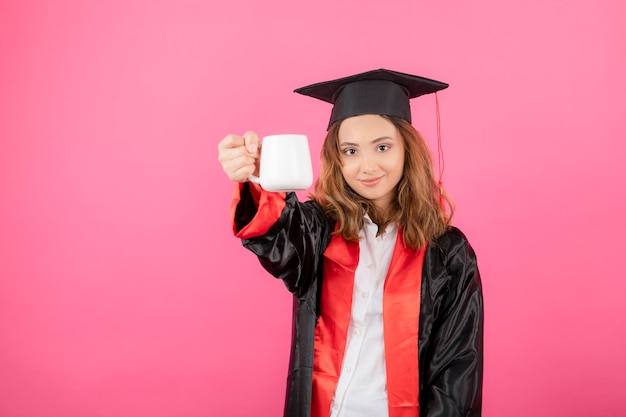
(292, 247)
(452, 355)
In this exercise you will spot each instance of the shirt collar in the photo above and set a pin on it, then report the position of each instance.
(369, 224)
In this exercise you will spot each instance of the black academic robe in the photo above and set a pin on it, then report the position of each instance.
(450, 345)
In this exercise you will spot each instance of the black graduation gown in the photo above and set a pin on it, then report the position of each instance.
(450, 346)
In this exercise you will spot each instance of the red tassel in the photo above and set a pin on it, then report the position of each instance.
(442, 198)
(440, 160)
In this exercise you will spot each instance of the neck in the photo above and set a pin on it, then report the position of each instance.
(382, 217)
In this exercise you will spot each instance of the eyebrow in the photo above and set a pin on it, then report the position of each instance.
(380, 139)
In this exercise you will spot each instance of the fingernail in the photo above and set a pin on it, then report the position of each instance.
(253, 147)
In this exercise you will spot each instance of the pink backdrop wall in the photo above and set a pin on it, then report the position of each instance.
(122, 292)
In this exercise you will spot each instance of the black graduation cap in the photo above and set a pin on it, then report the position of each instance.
(379, 91)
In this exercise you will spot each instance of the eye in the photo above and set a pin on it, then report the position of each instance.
(382, 148)
(349, 151)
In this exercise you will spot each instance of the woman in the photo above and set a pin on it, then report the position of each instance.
(388, 314)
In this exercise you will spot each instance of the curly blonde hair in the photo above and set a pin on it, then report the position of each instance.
(416, 205)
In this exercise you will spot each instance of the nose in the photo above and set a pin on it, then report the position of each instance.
(368, 164)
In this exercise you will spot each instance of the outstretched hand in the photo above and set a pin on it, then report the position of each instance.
(239, 156)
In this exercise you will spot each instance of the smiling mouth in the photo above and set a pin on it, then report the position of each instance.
(370, 182)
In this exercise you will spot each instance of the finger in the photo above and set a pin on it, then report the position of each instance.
(230, 147)
(231, 141)
(242, 174)
(227, 154)
(251, 141)
(237, 162)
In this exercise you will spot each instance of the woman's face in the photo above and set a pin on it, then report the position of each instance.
(372, 157)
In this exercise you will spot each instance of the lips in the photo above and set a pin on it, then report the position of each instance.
(370, 182)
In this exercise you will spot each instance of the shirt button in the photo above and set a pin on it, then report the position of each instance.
(365, 294)
(349, 369)
(357, 332)
(371, 266)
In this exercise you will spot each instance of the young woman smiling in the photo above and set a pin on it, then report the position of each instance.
(388, 310)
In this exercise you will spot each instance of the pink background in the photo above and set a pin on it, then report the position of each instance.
(122, 291)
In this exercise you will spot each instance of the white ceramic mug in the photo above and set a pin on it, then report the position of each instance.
(285, 163)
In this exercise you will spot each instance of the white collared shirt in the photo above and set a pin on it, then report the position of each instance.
(362, 386)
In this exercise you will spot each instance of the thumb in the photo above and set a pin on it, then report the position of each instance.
(251, 140)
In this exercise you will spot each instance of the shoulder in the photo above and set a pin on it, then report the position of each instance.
(451, 269)
(452, 251)
(451, 242)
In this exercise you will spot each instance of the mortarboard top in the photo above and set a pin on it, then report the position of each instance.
(379, 91)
